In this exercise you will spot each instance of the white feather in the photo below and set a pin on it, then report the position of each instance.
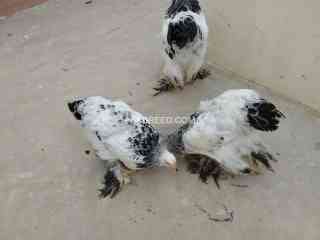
(188, 60)
(114, 143)
(222, 132)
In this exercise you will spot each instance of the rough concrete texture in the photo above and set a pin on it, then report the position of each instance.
(48, 185)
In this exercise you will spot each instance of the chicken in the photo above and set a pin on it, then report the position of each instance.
(121, 136)
(184, 45)
(225, 130)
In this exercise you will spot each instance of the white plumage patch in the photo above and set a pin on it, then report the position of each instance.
(117, 132)
(223, 131)
(120, 135)
(184, 41)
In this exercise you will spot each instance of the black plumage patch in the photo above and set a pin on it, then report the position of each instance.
(205, 167)
(111, 185)
(264, 158)
(263, 115)
(210, 167)
(98, 136)
(145, 143)
(194, 116)
(246, 171)
(193, 164)
(181, 33)
(164, 85)
(170, 52)
(73, 107)
(183, 6)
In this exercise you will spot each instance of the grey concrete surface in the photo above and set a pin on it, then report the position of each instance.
(48, 185)
(275, 43)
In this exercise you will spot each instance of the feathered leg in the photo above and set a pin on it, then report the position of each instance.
(173, 77)
(205, 167)
(209, 167)
(264, 158)
(114, 179)
(193, 162)
(196, 70)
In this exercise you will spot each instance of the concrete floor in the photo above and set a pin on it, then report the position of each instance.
(48, 185)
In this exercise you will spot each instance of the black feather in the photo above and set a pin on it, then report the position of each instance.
(194, 116)
(73, 107)
(145, 143)
(264, 158)
(209, 167)
(98, 136)
(181, 33)
(183, 6)
(263, 115)
(170, 52)
(111, 185)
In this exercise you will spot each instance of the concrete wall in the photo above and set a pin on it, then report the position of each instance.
(273, 42)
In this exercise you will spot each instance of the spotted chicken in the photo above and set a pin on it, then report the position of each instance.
(121, 136)
(225, 131)
(184, 45)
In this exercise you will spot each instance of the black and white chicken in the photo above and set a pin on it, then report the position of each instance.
(184, 45)
(121, 136)
(225, 130)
